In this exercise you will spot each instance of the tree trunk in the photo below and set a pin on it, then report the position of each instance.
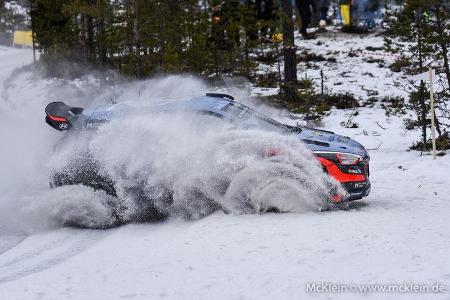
(84, 53)
(290, 62)
(33, 33)
(423, 114)
(90, 40)
(102, 43)
(422, 104)
(137, 39)
(101, 34)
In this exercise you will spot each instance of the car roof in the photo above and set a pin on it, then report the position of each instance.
(202, 103)
(319, 139)
(197, 103)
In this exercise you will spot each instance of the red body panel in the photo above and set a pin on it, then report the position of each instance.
(337, 174)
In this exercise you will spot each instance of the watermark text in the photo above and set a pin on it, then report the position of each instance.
(373, 288)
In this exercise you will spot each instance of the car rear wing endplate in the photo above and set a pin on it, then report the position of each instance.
(60, 116)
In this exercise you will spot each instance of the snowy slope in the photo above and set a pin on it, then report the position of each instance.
(350, 63)
(400, 234)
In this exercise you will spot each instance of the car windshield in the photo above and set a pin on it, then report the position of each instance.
(250, 118)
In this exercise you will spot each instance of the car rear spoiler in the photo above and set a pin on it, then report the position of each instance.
(60, 115)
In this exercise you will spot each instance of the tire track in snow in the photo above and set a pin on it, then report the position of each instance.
(5, 246)
(32, 253)
(24, 261)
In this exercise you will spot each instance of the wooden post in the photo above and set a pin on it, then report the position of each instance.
(433, 128)
(321, 82)
(34, 48)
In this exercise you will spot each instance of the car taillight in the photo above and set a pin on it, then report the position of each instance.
(345, 159)
(337, 198)
(58, 119)
(348, 159)
(273, 152)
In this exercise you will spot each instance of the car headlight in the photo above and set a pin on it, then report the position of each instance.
(345, 159)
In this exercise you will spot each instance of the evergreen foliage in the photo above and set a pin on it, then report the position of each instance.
(10, 19)
(147, 37)
(420, 31)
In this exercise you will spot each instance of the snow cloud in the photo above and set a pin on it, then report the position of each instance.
(179, 166)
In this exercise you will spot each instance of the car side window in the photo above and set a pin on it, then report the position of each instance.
(207, 120)
(210, 113)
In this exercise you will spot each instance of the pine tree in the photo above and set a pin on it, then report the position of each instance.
(2, 12)
(10, 19)
(420, 30)
(3, 15)
(409, 35)
(147, 37)
(440, 34)
(54, 27)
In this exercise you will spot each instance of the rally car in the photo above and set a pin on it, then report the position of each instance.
(342, 158)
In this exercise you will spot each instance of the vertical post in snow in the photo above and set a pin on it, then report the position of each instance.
(34, 47)
(433, 128)
(321, 82)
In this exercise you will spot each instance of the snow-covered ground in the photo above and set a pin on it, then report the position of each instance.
(355, 64)
(400, 234)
